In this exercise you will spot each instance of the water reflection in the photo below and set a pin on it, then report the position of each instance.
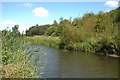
(73, 64)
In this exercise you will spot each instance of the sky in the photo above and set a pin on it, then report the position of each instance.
(27, 14)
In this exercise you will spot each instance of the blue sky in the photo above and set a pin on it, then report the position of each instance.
(27, 14)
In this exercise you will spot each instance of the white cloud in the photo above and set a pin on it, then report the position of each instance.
(40, 12)
(112, 4)
(108, 10)
(28, 5)
(9, 24)
(6, 24)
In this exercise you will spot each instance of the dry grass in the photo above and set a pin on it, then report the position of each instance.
(45, 38)
(17, 71)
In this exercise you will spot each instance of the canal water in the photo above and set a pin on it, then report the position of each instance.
(55, 63)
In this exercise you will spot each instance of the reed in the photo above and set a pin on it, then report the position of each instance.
(15, 61)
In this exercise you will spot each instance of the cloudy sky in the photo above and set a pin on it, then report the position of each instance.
(27, 14)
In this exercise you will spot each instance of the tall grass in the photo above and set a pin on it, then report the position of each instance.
(15, 61)
(44, 40)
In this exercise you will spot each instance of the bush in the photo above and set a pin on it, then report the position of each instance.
(52, 31)
(15, 57)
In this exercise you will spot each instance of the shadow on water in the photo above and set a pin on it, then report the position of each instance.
(73, 64)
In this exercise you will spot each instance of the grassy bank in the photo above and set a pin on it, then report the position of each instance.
(90, 46)
(15, 61)
(44, 40)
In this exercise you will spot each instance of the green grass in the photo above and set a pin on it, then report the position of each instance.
(44, 40)
(89, 45)
(15, 61)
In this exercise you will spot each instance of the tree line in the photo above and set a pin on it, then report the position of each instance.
(89, 33)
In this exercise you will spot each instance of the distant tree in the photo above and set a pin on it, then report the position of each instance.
(37, 30)
(61, 19)
(37, 25)
(15, 30)
(55, 23)
(70, 20)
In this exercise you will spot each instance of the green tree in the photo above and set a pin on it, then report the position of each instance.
(52, 31)
(37, 30)
(15, 31)
(55, 23)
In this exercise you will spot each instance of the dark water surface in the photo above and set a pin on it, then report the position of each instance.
(54, 63)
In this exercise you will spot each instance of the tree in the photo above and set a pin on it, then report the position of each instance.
(52, 31)
(61, 19)
(55, 23)
(15, 30)
(37, 30)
